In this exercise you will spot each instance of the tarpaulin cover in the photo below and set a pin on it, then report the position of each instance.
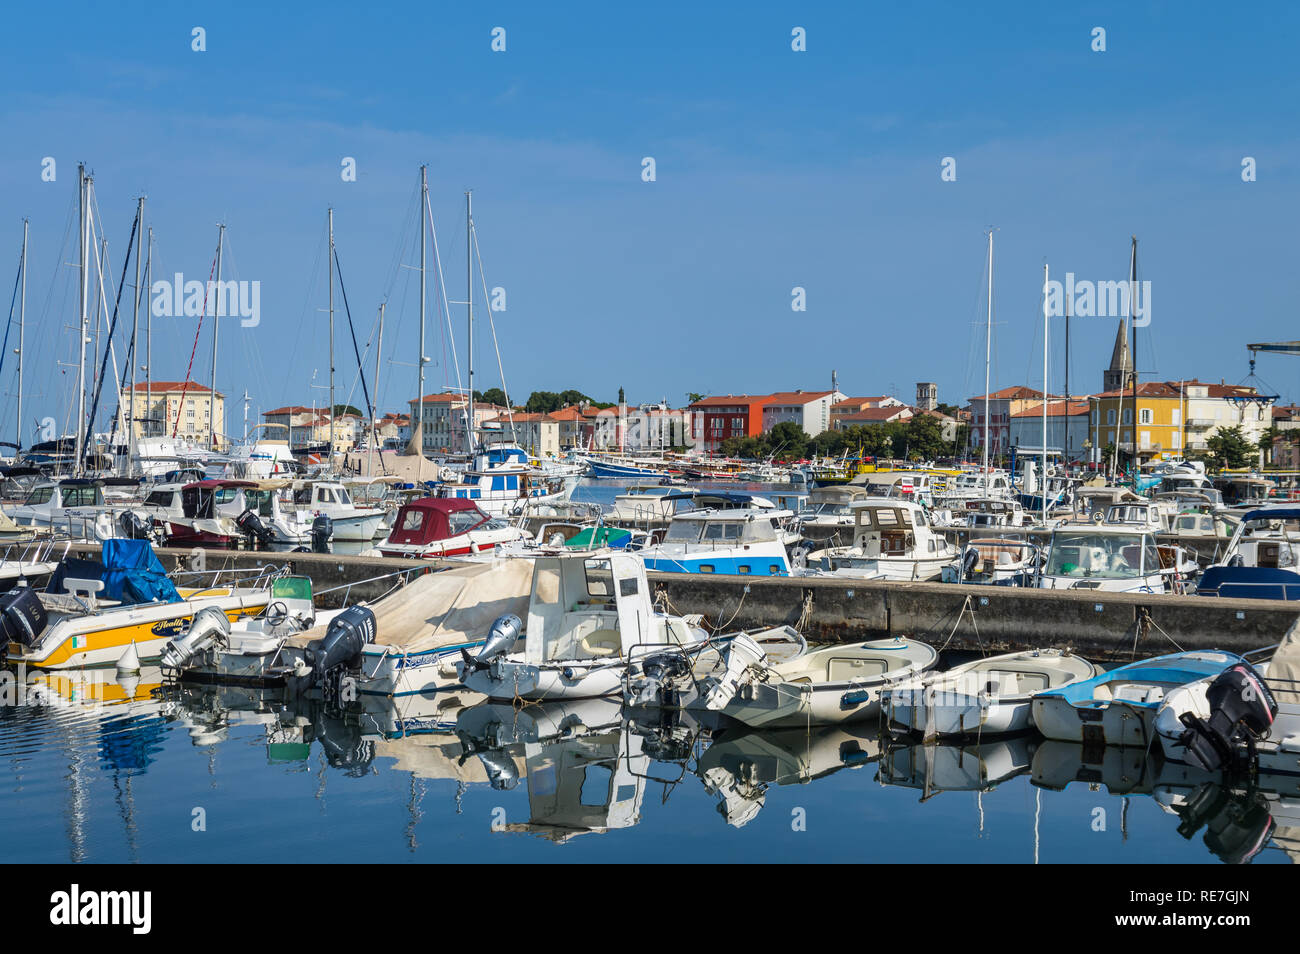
(133, 573)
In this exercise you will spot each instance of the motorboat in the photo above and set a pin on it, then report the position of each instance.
(989, 696)
(588, 619)
(828, 516)
(1262, 560)
(745, 541)
(92, 611)
(313, 498)
(831, 685)
(75, 507)
(892, 540)
(434, 527)
(1119, 707)
(502, 482)
(1113, 558)
(995, 561)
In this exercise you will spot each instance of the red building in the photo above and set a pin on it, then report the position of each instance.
(728, 415)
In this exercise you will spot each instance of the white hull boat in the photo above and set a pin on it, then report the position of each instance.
(985, 697)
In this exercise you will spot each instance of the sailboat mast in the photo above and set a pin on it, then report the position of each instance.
(469, 303)
(374, 431)
(988, 357)
(1046, 393)
(148, 341)
(135, 333)
(22, 320)
(331, 281)
(83, 253)
(1132, 306)
(419, 360)
(216, 326)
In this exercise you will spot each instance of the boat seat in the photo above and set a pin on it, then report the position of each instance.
(1102, 692)
(602, 642)
(1137, 692)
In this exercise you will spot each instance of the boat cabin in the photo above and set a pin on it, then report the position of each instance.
(73, 492)
(210, 499)
(1102, 553)
(887, 527)
(430, 519)
(589, 608)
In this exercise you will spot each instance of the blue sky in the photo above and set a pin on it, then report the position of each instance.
(775, 169)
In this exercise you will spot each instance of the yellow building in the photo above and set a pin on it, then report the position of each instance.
(1159, 415)
(166, 406)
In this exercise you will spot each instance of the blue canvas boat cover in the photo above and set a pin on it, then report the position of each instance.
(133, 573)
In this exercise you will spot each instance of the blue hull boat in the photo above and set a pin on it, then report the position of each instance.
(1119, 707)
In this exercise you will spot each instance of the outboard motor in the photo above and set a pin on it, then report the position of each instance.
(22, 617)
(322, 529)
(660, 671)
(969, 561)
(340, 648)
(134, 526)
(208, 625)
(1241, 711)
(742, 654)
(250, 522)
(501, 637)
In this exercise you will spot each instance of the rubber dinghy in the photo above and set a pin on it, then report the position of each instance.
(985, 697)
(826, 686)
(1119, 707)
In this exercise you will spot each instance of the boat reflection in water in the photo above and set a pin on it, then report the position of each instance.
(739, 767)
(973, 767)
(1237, 814)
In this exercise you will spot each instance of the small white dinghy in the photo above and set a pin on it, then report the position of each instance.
(825, 686)
(985, 697)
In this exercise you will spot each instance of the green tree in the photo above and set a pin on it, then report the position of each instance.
(788, 439)
(491, 396)
(341, 409)
(924, 435)
(573, 397)
(543, 402)
(1230, 447)
(693, 396)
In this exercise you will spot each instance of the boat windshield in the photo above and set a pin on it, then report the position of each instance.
(683, 531)
(1105, 555)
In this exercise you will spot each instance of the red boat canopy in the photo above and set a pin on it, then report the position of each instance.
(430, 519)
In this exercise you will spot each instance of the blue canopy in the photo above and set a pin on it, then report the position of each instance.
(133, 573)
(1272, 513)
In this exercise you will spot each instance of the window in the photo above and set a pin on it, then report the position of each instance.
(40, 495)
(1110, 416)
(1177, 417)
(1128, 415)
(413, 520)
(463, 521)
(1144, 415)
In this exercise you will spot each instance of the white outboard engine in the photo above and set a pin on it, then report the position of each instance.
(208, 625)
(322, 529)
(501, 638)
(742, 654)
(1241, 711)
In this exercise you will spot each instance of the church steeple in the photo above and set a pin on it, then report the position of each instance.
(1120, 373)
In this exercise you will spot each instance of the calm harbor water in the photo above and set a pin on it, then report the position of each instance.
(160, 773)
(93, 770)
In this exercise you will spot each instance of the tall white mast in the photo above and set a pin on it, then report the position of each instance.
(83, 185)
(469, 303)
(419, 397)
(216, 325)
(331, 280)
(374, 430)
(148, 342)
(22, 320)
(1043, 479)
(988, 357)
(135, 334)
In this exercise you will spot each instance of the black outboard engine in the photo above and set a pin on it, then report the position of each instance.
(251, 524)
(134, 526)
(338, 652)
(969, 561)
(22, 617)
(661, 672)
(322, 528)
(1241, 711)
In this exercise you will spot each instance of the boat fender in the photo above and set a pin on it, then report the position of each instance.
(348, 633)
(854, 698)
(206, 627)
